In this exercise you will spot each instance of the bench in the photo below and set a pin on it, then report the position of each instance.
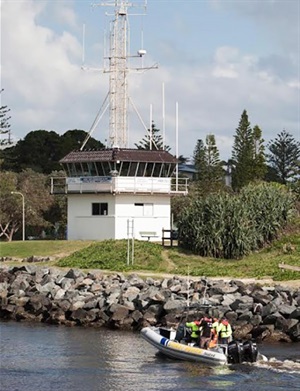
(289, 267)
(148, 234)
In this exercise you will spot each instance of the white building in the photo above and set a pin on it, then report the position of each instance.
(119, 193)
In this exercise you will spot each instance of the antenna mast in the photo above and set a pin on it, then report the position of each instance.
(118, 70)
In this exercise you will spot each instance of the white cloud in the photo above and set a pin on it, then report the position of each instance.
(226, 63)
(65, 14)
(40, 70)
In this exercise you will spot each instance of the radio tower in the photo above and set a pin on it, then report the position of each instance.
(118, 69)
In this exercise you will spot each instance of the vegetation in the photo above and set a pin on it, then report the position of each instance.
(153, 258)
(153, 140)
(231, 226)
(112, 255)
(42, 150)
(284, 157)
(5, 129)
(5, 126)
(28, 187)
(247, 154)
(41, 248)
(209, 171)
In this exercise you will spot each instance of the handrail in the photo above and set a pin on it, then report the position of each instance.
(119, 185)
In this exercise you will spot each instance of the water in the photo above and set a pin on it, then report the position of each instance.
(37, 357)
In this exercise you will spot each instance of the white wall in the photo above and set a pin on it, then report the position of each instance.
(82, 225)
(153, 214)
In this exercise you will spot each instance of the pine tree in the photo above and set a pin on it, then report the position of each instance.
(213, 163)
(153, 140)
(259, 163)
(248, 154)
(284, 157)
(5, 125)
(199, 160)
(209, 171)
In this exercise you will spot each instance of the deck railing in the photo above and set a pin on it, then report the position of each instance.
(118, 185)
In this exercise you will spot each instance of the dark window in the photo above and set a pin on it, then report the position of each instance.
(124, 170)
(99, 208)
(132, 170)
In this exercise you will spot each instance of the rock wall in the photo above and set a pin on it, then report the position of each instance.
(72, 297)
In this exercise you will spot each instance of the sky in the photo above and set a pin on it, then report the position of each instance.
(215, 58)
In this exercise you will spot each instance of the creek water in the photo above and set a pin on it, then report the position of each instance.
(37, 357)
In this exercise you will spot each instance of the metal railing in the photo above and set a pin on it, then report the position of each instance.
(117, 185)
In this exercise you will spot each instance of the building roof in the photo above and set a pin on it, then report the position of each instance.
(118, 154)
(188, 168)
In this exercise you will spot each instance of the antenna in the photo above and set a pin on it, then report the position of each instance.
(176, 145)
(150, 129)
(83, 43)
(118, 68)
(163, 113)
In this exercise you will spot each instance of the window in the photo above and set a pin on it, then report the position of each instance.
(99, 208)
(143, 209)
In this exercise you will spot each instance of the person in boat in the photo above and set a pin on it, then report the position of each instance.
(224, 331)
(194, 335)
(206, 331)
(214, 340)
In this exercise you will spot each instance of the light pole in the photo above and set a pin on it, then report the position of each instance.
(23, 212)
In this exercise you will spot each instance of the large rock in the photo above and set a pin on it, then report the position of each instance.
(294, 332)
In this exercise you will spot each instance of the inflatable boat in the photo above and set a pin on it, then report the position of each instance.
(168, 342)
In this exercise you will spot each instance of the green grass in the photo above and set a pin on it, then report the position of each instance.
(20, 249)
(152, 257)
(112, 255)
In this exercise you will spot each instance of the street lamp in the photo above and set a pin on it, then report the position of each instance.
(23, 211)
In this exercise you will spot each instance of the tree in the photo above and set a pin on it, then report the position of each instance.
(199, 159)
(56, 214)
(37, 200)
(182, 159)
(259, 158)
(10, 210)
(153, 140)
(209, 171)
(247, 154)
(242, 153)
(41, 150)
(73, 139)
(5, 125)
(284, 157)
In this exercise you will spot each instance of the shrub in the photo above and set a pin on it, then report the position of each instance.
(231, 226)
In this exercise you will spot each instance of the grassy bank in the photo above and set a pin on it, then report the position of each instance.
(52, 248)
(152, 257)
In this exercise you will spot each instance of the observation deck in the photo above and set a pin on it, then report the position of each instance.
(116, 171)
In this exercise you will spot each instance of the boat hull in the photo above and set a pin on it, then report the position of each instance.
(174, 349)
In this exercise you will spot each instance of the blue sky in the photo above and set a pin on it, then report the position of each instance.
(216, 58)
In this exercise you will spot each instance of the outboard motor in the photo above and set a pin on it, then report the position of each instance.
(235, 352)
(250, 351)
(180, 333)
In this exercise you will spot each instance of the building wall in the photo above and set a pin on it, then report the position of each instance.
(143, 213)
(82, 225)
(149, 213)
